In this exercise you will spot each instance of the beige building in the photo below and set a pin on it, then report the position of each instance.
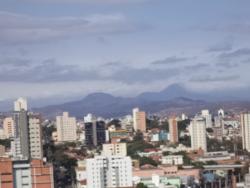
(245, 130)
(139, 120)
(173, 130)
(35, 137)
(8, 126)
(119, 149)
(66, 128)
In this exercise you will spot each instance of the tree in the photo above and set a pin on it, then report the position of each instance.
(147, 160)
(115, 122)
(5, 142)
(185, 140)
(211, 163)
(165, 125)
(152, 123)
(182, 125)
(141, 185)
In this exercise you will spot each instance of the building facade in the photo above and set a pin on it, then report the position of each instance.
(173, 130)
(95, 133)
(139, 120)
(8, 126)
(66, 128)
(119, 149)
(35, 137)
(20, 144)
(109, 172)
(198, 134)
(245, 130)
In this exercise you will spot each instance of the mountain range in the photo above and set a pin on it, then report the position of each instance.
(174, 99)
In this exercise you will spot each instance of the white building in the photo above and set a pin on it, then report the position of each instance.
(109, 172)
(135, 111)
(81, 174)
(198, 134)
(172, 159)
(20, 104)
(22, 174)
(89, 118)
(221, 113)
(127, 122)
(245, 130)
(208, 117)
(118, 149)
(66, 128)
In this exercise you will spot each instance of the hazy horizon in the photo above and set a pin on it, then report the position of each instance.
(71, 48)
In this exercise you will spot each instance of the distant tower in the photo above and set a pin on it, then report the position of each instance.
(139, 120)
(208, 118)
(198, 134)
(20, 104)
(245, 130)
(221, 113)
(173, 130)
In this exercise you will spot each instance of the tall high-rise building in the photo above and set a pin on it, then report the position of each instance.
(208, 118)
(198, 134)
(245, 130)
(139, 120)
(95, 133)
(20, 145)
(35, 137)
(109, 172)
(66, 128)
(27, 140)
(173, 130)
(20, 104)
(8, 126)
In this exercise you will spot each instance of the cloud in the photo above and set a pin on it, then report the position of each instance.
(235, 28)
(14, 62)
(89, 1)
(49, 70)
(144, 75)
(208, 78)
(220, 47)
(198, 66)
(227, 64)
(19, 28)
(235, 54)
(170, 60)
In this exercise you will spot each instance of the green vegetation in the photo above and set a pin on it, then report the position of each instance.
(5, 142)
(211, 163)
(152, 123)
(165, 126)
(225, 145)
(141, 185)
(145, 160)
(182, 125)
(115, 122)
(185, 140)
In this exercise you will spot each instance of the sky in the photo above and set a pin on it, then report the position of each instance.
(70, 48)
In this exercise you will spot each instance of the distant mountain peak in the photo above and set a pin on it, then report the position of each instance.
(99, 95)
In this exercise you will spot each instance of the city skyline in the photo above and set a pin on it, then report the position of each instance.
(73, 48)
